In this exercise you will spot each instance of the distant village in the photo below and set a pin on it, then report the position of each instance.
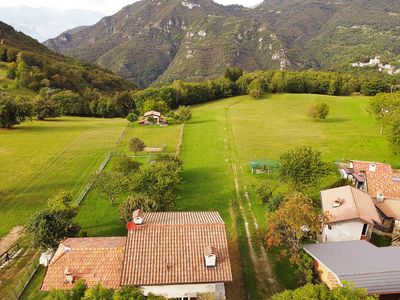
(376, 62)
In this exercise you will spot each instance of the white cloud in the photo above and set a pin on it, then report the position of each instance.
(106, 6)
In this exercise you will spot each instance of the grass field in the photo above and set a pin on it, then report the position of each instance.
(96, 215)
(222, 137)
(40, 158)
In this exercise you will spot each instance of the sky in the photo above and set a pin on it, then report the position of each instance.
(107, 7)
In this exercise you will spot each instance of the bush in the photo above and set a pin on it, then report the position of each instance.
(319, 111)
(132, 117)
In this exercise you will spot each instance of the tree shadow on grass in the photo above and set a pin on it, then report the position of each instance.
(335, 120)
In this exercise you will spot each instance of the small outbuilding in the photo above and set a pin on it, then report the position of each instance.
(153, 117)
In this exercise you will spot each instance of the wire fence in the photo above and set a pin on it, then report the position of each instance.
(26, 277)
(88, 186)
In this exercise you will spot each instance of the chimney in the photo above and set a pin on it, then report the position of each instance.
(380, 197)
(137, 217)
(210, 257)
(69, 278)
(337, 202)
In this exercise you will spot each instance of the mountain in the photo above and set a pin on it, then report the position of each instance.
(36, 66)
(44, 23)
(157, 41)
(332, 34)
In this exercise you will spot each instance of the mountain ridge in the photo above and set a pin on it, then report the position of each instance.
(152, 42)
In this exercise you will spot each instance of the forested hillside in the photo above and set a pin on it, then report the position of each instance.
(197, 39)
(63, 85)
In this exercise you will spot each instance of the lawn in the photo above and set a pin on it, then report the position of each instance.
(268, 127)
(40, 158)
(96, 215)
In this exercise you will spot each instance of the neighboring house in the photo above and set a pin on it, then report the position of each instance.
(95, 260)
(381, 182)
(359, 262)
(153, 117)
(175, 254)
(350, 214)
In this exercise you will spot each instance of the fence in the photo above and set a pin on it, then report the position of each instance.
(24, 280)
(9, 254)
(84, 192)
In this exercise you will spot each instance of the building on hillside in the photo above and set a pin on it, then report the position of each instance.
(178, 255)
(377, 269)
(350, 214)
(153, 117)
(382, 183)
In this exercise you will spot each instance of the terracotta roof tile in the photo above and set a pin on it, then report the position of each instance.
(96, 260)
(382, 180)
(355, 205)
(169, 249)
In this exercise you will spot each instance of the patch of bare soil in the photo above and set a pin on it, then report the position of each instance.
(11, 238)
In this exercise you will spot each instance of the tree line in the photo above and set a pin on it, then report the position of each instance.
(98, 101)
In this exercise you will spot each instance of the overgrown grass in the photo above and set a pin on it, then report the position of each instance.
(37, 159)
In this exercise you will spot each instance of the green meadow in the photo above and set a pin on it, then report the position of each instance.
(217, 145)
(39, 158)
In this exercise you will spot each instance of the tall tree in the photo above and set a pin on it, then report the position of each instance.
(111, 184)
(383, 106)
(295, 221)
(302, 167)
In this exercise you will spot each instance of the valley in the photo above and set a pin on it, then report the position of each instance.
(217, 145)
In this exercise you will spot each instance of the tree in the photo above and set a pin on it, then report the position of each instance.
(49, 227)
(255, 89)
(159, 182)
(183, 114)
(13, 112)
(124, 104)
(322, 292)
(61, 201)
(374, 86)
(44, 108)
(68, 102)
(295, 221)
(98, 292)
(132, 117)
(128, 293)
(233, 74)
(266, 193)
(127, 166)
(134, 202)
(155, 105)
(394, 135)
(383, 106)
(136, 145)
(302, 167)
(111, 184)
(319, 111)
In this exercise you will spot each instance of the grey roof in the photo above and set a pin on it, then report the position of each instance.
(367, 266)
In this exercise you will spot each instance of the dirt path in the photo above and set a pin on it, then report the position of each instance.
(267, 282)
(11, 238)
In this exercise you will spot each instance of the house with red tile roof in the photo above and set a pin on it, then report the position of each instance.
(350, 214)
(173, 254)
(381, 182)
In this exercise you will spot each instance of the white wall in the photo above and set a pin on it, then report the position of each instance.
(186, 290)
(343, 231)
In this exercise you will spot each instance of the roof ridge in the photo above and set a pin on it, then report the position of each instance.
(355, 201)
